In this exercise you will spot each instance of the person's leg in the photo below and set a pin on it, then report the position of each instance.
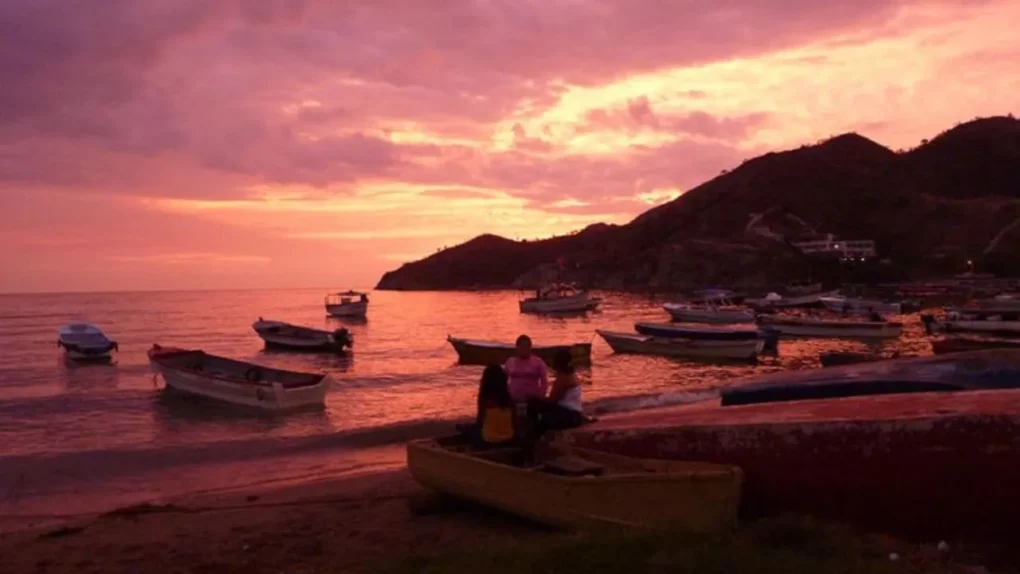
(556, 417)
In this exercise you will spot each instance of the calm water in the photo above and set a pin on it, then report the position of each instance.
(63, 425)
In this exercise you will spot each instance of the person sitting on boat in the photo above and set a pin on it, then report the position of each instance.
(874, 315)
(494, 419)
(363, 298)
(529, 377)
(562, 409)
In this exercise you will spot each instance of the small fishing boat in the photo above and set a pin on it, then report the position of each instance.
(803, 287)
(962, 323)
(559, 298)
(701, 332)
(580, 488)
(810, 327)
(347, 304)
(852, 305)
(280, 335)
(475, 352)
(777, 301)
(686, 348)
(719, 311)
(836, 359)
(85, 342)
(238, 382)
(964, 344)
(717, 294)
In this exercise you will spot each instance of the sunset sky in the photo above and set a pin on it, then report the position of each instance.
(178, 144)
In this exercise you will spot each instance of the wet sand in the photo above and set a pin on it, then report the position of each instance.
(350, 524)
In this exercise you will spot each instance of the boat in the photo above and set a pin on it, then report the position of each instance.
(776, 301)
(963, 344)
(810, 327)
(718, 311)
(961, 323)
(716, 294)
(580, 488)
(875, 462)
(803, 287)
(196, 372)
(476, 352)
(701, 332)
(559, 298)
(852, 305)
(280, 335)
(696, 349)
(85, 342)
(835, 359)
(345, 305)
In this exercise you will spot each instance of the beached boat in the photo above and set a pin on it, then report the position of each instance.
(852, 305)
(85, 342)
(559, 298)
(199, 373)
(777, 301)
(962, 323)
(280, 335)
(877, 462)
(580, 488)
(809, 327)
(701, 332)
(836, 359)
(347, 304)
(964, 344)
(719, 311)
(475, 352)
(678, 347)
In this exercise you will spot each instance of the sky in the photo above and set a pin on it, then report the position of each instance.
(217, 144)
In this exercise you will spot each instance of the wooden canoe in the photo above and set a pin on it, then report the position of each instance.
(579, 488)
(475, 352)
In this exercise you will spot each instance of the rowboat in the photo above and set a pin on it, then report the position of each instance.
(85, 342)
(559, 299)
(714, 312)
(344, 304)
(475, 352)
(841, 304)
(199, 373)
(963, 344)
(958, 323)
(877, 462)
(580, 488)
(701, 332)
(809, 327)
(280, 335)
(698, 349)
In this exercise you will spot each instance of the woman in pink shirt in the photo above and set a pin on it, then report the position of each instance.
(529, 378)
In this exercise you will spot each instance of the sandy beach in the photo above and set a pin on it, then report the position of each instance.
(349, 524)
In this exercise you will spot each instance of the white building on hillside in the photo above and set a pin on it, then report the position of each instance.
(845, 249)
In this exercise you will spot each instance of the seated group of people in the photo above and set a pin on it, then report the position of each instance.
(517, 399)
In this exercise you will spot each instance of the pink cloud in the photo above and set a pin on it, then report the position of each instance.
(638, 114)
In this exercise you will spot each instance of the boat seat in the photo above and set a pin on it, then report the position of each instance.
(573, 466)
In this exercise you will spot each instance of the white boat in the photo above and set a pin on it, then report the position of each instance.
(85, 342)
(810, 327)
(280, 335)
(345, 305)
(238, 382)
(701, 349)
(851, 305)
(703, 332)
(559, 299)
(963, 323)
(777, 301)
(718, 312)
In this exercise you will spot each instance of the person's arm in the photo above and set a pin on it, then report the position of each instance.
(543, 381)
(561, 385)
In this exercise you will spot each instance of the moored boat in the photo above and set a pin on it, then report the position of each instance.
(962, 323)
(873, 461)
(810, 327)
(852, 305)
(720, 311)
(347, 304)
(580, 488)
(559, 298)
(684, 348)
(476, 352)
(777, 301)
(701, 332)
(963, 344)
(280, 335)
(85, 342)
(229, 380)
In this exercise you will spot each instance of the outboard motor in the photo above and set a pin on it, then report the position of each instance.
(929, 323)
(343, 338)
(771, 345)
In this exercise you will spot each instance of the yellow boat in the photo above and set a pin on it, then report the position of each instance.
(579, 489)
(474, 352)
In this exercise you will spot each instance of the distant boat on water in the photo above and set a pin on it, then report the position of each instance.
(345, 305)
(85, 342)
(559, 298)
(280, 335)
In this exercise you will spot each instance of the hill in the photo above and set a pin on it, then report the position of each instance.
(952, 199)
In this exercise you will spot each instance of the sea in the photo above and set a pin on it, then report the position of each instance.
(79, 439)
